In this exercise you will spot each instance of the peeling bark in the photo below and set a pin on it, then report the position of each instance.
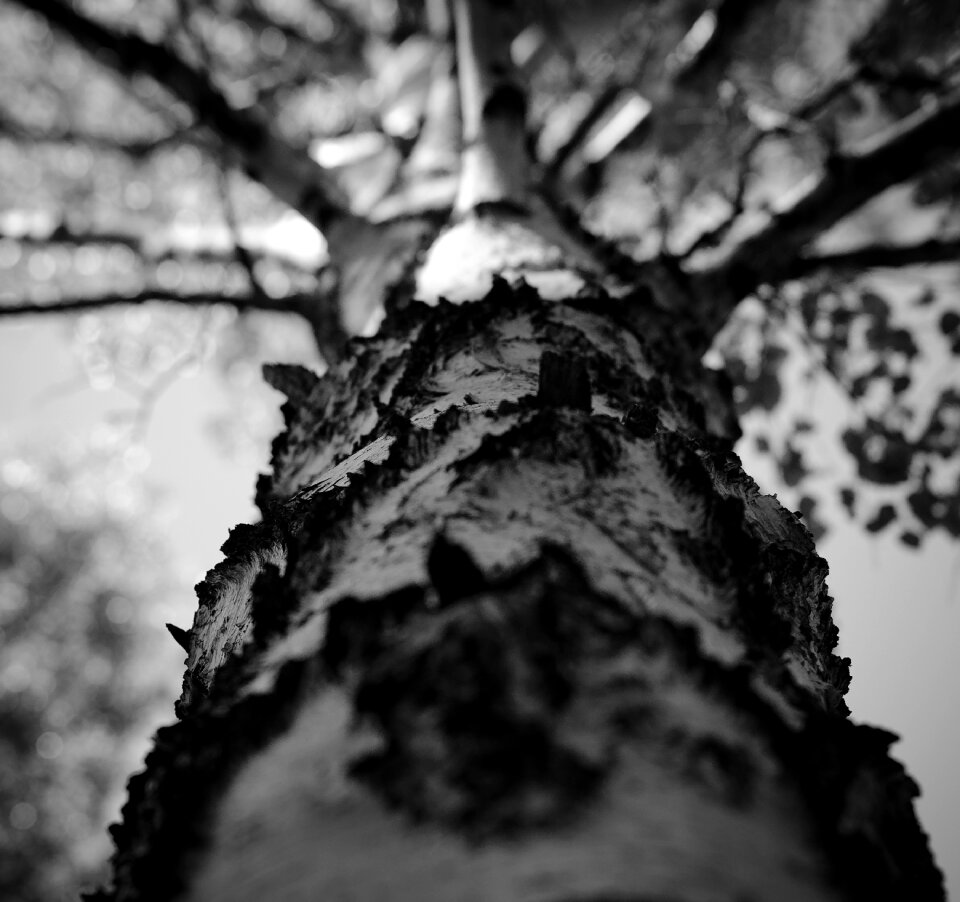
(516, 625)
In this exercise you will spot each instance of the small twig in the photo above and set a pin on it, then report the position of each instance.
(602, 102)
(878, 256)
(713, 237)
(137, 149)
(293, 303)
(793, 121)
(240, 250)
(148, 398)
(242, 254)
(149, 248)
(850, 179)
(599, 106)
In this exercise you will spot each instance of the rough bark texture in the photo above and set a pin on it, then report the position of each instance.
(517, 626)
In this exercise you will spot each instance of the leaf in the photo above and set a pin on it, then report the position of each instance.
(950, 323)
(901, 340)
(792, 466)
(848, 498)
(933, 509)
(766, 391)
(900, 384)
(874, 305)
(884, 456)
(884, 516)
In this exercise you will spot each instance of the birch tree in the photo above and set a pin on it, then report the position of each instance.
(515, 623)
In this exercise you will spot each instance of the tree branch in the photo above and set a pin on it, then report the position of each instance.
(496, 165)
(878, 256)
(598, 108)
(705, 59)
(848, 181)
(295, 303)
(284, 169)
(148, 247)
(138, 149)
(707, 40)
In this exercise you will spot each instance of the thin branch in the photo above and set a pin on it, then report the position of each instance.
(284, 169)
(713, 237)
(849, 180)
(149, 247)
(708, 40)
(789, 123)
(879, 256)
(294, 303)
(373, 262)
(427, 181)
(241, 252)
(598, 108)
(437, 149)
(603, 101)
(149, 396)
(138, 149)
(707, 48)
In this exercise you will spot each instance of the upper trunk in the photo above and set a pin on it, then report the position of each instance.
(516, 625)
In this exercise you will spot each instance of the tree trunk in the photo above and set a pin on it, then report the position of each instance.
(517, 626)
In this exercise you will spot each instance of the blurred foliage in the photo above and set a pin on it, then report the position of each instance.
(143, 350)
(886, 351)
(669, 125)
(80, 683)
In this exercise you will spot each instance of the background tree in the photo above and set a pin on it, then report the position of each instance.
(713, 160)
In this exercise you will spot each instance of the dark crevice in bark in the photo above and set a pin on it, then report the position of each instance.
(564, 381)
(272, 604)
(482, 683)
(453, 572)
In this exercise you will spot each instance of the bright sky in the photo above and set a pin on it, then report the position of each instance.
(898, 611)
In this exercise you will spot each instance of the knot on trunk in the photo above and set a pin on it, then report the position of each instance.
(564, 381)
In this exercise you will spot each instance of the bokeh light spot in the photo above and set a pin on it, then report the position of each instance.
(49, 745)
(23, 816)
(119, 610)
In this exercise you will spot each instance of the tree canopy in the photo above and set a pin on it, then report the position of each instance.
(799, 155)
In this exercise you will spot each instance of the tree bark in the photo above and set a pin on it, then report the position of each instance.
(517, 626)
